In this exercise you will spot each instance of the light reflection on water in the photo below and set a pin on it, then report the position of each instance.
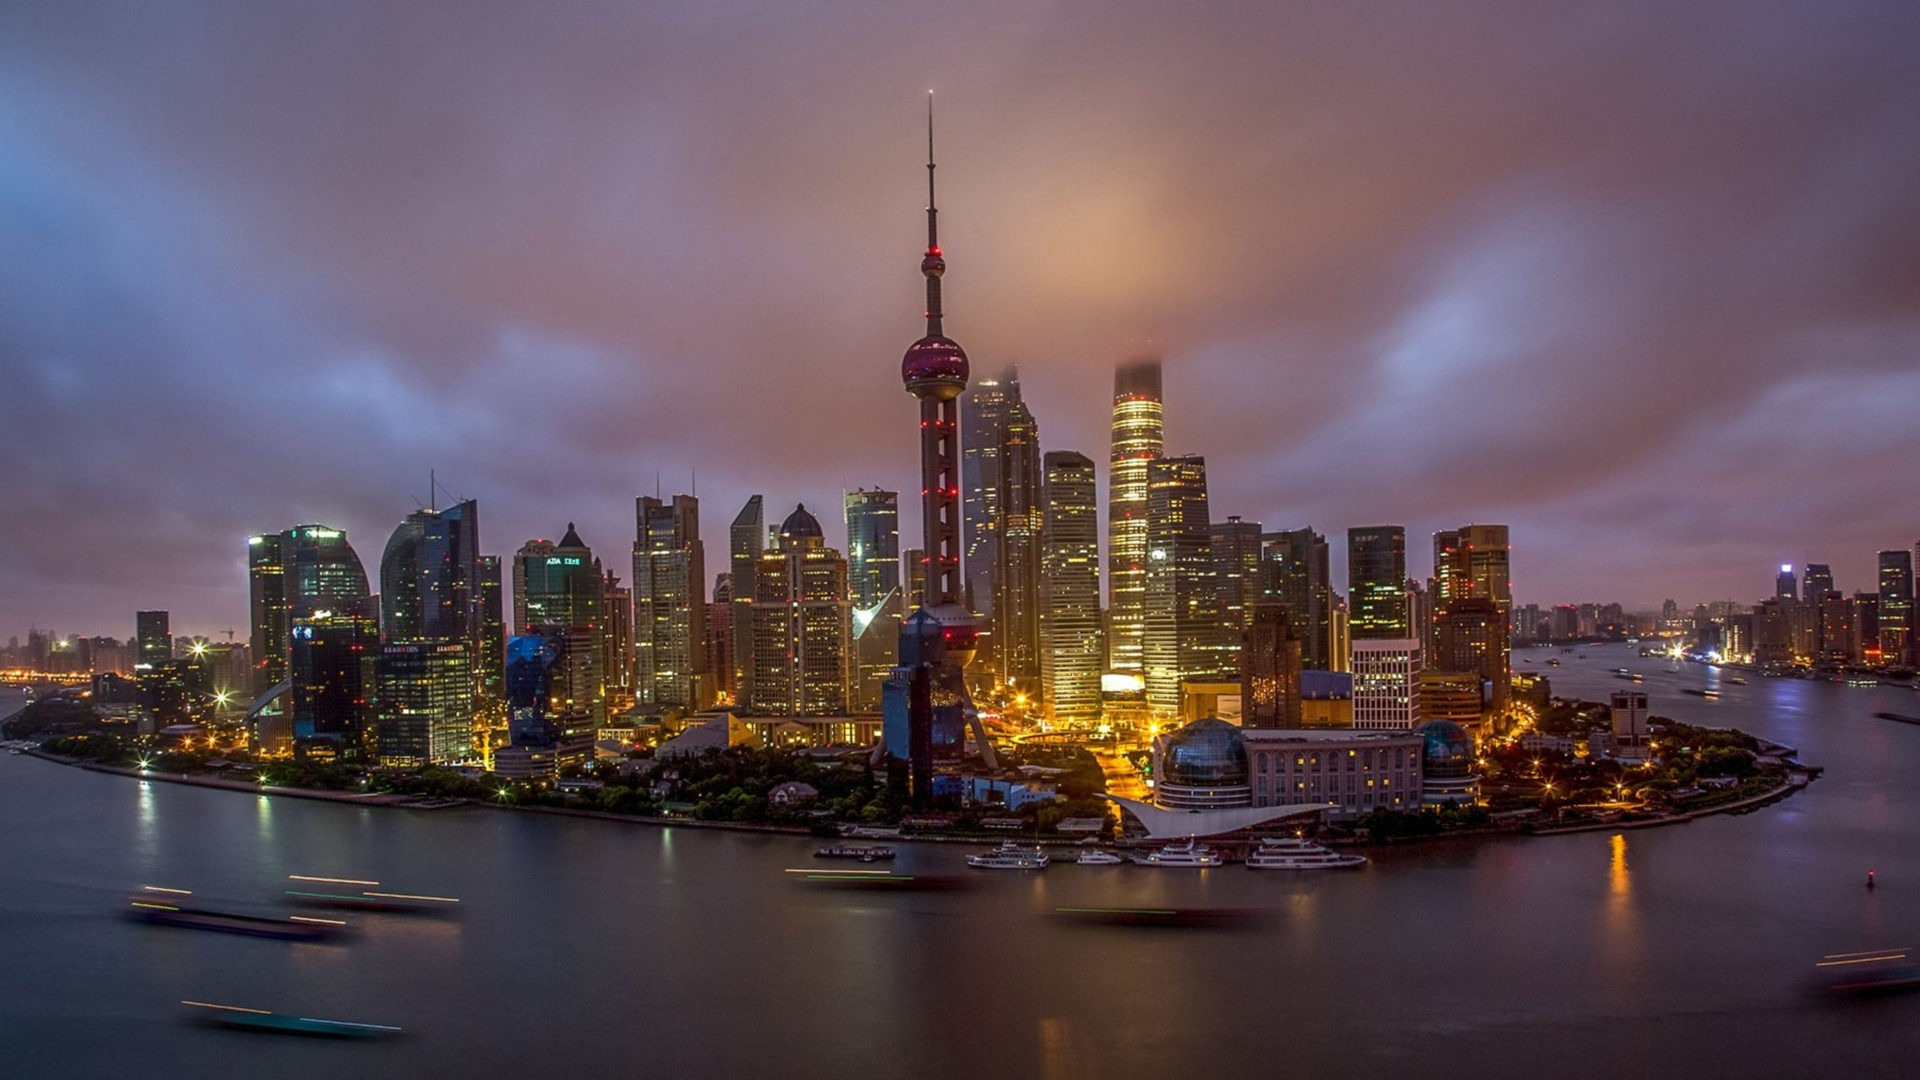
(1650, 952)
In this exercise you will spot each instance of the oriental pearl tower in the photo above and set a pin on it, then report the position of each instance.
(927, 708)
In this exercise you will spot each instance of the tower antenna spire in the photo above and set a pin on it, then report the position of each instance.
(934, 265)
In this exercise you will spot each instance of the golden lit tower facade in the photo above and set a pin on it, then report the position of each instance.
(1016, 604)
(1474, 562)
(1183, 639)
(1139, 438)
(799, 625)
(670, 604)
(1070, 652)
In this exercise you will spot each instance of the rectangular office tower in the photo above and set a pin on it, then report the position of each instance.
(746, 541)
(1139, 438)
(558, 594)
(1236, 567)
(1181, 617)
(801, 663)
(153, 639)
(1270, 669)
(1473, 607)
(1070, 651)
(873, 545)
(1896, 608)
(1295, 572)
(1016, 602)
(425, 710)
(433, 592)
(1386, 683)
(670, 604)
(1377, 583)
(984, 409)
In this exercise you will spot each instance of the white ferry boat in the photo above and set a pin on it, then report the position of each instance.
(1297, 854)
(1010, 856)
(1183, 855)
(1097, 857)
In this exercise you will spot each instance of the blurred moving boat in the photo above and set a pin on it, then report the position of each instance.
(366, 899)
(176, 907)
(236, 1016)
(1871, 973)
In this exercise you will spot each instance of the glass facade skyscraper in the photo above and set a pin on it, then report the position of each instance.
(1236, 565)
(332, 662)
(1896, 607)
(302, 570)
(983, 415)
(746, 542)
(670, 604)
(1016, 604)
(559, 593)
(153, 639)
(1139, 438)
(801, 628)
(1296, 572)
(430, 577)
(1473, 563)
(1181, 619)
(1070, 645)
(1377, 583)
(873, 545)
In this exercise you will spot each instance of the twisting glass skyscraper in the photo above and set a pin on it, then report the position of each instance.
(1139, 438)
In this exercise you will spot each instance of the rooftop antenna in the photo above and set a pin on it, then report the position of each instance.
(933, 232)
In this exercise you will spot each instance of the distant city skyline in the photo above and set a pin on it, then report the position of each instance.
(1661, 290)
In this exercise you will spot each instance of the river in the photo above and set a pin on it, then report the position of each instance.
(598, 949)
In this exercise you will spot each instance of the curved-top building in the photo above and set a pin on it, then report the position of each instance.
(299, 571)
(1447, 761)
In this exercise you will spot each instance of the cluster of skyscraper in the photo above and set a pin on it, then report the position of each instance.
(1810, 624)
(1193, 601)
(340, 672)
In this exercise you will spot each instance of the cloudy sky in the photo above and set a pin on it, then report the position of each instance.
(1642, 280)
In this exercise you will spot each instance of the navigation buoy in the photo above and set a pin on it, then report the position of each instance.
(1869, 879)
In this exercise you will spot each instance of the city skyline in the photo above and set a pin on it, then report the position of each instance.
(1686, 421)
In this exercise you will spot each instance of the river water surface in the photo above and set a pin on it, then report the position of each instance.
(597, 949)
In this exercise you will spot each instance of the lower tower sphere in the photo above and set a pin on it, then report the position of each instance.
(935, 366)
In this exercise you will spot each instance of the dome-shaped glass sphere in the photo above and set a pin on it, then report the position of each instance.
(936, 365)
(1449, 749)
(1205, 753)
